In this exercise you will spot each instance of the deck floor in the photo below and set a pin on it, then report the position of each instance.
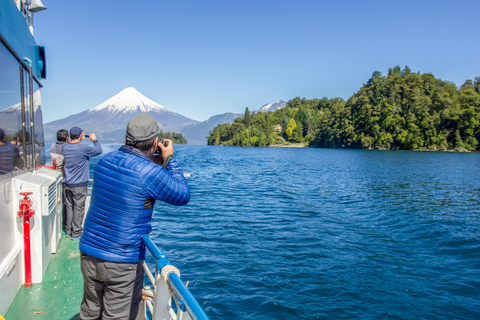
(59, 295)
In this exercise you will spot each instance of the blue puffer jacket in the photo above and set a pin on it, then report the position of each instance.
(126, 184)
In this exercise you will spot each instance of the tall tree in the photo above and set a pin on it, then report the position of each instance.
(247, 118)
(290, 127)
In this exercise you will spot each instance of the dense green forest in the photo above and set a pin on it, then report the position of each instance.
(177, 138)
(403, 110)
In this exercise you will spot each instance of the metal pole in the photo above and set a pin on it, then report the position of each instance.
(25, 212)
(28, 257)
(24, 128)
(32, 118)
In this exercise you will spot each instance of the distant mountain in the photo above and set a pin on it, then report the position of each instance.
(109, 120)
(272, 106)
(197, 133)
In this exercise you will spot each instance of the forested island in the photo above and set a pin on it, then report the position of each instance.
(401, 111)
(177, 138)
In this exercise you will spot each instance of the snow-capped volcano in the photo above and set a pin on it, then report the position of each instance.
(129, 100)
(109, 119)
(272, 106)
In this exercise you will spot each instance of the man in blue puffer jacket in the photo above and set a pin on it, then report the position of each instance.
(126, 184)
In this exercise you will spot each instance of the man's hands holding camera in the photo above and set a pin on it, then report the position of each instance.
(91, 136)
(164, 149)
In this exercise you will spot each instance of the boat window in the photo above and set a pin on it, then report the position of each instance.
(38, 116)
(30, 145)
(10, 112)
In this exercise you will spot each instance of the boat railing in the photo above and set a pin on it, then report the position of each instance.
(167, 287)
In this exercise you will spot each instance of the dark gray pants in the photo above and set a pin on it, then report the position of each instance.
(110, 290)
(64, 210)
(75, 206)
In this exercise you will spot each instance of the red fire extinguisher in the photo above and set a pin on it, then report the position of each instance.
(26, 212)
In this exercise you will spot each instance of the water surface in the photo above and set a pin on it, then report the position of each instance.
(275, 233)
(327, 234)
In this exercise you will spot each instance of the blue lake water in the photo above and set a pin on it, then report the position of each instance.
(276, 233)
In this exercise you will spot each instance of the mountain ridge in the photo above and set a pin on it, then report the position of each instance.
(109, 119)
(197, 133)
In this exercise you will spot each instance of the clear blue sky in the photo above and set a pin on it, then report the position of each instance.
(202, 58)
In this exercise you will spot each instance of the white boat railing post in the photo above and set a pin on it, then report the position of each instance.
(162, 305)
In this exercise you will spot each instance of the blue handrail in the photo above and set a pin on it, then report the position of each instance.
(194, 308)
(183, 295)
(159, 257)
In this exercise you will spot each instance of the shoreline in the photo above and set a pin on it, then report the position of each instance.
(288, 146)
(456, 150)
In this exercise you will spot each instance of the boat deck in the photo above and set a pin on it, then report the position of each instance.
(59, 295)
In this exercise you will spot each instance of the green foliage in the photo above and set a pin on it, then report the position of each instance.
(177, 138)
(247, 118)
(297, 134)
(458, 140)
(403, 110)
(290, 127)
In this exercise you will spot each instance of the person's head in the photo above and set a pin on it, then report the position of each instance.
(142, 130)
(2, 135)
(19, 136)
(62, 135)
(75, 133)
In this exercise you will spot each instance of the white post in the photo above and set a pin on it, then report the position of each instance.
(162, 303)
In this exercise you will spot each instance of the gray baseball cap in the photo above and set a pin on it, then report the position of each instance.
(142, 127)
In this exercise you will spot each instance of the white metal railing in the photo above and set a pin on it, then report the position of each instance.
(167, 287)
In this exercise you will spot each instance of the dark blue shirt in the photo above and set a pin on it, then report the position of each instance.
(76, 162)
(8, 155)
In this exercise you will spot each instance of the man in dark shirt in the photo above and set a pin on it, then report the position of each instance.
(9, 155)
(77, 173)
(56, 154)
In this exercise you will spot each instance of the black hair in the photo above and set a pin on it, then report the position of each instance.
(19, 135)
(62, 135)
(2, 135)
(142, 146)
(74, 136)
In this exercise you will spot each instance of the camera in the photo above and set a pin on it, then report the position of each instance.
(159, 151)
(87, 136)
